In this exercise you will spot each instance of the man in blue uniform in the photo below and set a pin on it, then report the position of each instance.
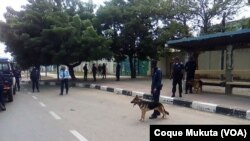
(34, 77)
(85, 70)
(156, 87)
(17, 74)
(118, 69)
(177, 75)
(190, 67)
(64, 76)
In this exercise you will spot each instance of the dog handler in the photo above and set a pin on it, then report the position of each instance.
(156, 87)
(190, 67)
(177, 75)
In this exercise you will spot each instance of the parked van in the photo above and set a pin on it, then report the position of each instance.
(7, 69)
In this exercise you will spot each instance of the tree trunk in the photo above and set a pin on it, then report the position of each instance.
(132, 67)
(71, 70)
(153, 65)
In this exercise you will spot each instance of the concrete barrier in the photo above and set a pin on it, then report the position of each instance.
(202, 106)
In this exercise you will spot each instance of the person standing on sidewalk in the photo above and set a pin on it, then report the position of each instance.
(104, 71)
(2, 100)
(17, 74)
(177, 76)
(190, 67)
(156, 87)
(85, 71)
(99, 68)
(64, 76)
(34, 77)
(94, 71)
(118, 69)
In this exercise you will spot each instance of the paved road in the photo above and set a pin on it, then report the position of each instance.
(88, 114)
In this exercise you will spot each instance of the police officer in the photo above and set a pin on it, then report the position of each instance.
(118, 69)
(177, 75)
(156, 87)
(85, 71)
(190, 67)
(2, 100)
(17, 74)
(94, 71)
(64, 76)
(34, 77)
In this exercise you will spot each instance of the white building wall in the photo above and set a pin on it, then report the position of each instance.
(212, 61)
(162, 64)
(209, 60)
(241, 59)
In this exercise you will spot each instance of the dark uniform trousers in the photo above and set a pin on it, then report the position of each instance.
(190, 76)
(64, 82)
(35, 84)
(175, 82)
(156, 97)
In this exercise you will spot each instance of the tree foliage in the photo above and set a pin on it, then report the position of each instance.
(134, 28)
(49, 32)
(68, 32)
(209, 10)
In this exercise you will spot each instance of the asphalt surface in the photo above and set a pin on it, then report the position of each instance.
(88, 114)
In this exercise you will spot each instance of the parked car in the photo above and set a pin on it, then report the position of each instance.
(7, 69)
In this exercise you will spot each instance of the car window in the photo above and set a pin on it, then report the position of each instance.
(4, 67)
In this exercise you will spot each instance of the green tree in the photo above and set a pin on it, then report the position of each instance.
(53, 32)
(131, 26)
(183, 13)
(208, 10)
(109, 22)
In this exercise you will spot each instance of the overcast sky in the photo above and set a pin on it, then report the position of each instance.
(16, 4)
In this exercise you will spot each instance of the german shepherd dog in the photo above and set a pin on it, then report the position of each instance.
(196, 84)
(147, 106)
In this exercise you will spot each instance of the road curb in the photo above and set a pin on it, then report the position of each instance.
(197, 105)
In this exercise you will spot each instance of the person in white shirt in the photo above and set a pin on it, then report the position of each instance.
(64, 77)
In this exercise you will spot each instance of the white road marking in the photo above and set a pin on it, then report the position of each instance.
(42, 104)
(78, 135)
(34, 97)
(55, 115)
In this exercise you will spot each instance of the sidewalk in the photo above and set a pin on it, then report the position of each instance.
(211, 95)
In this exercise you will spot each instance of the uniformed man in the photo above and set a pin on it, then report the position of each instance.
(94, 71)
(177, 76)
(156, 87)
(64, 77)
(118, 69)
(190, 67)
(85, 70)
(17, 74)
(34, 77)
